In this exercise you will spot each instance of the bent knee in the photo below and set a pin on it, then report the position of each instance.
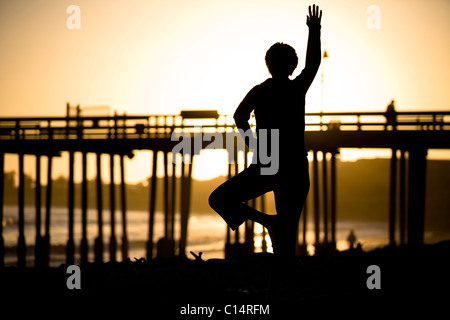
(216, 200)
(212, 200)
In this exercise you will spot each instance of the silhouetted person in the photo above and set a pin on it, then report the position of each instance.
(278, 103)
(351, 239)
(391, 115)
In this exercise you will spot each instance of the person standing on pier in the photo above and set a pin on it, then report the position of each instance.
(278, 104)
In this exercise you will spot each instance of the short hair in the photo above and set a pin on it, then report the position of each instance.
(281, 59)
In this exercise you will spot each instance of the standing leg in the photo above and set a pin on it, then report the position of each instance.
(290, 196)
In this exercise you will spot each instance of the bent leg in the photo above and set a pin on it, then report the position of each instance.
(227, 200)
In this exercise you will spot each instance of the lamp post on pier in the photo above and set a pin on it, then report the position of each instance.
(325, 56)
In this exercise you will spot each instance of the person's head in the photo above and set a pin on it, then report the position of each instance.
(281, 60)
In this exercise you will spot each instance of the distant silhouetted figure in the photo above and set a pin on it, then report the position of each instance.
(278, 103)
(351, 239)
(391, 115)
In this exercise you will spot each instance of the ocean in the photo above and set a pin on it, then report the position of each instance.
(206, 234)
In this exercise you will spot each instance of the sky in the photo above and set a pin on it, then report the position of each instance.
(163, 56)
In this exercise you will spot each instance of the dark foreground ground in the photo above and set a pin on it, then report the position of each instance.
(334, 283)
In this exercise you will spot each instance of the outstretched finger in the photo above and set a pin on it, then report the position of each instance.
(309, 9)
(314, 10)
(320, 15)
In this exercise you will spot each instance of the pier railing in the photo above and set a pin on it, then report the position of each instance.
(162, 126)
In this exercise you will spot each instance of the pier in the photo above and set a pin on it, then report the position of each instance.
(409, 135)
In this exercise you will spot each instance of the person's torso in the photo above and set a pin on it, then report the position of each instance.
(281, 106)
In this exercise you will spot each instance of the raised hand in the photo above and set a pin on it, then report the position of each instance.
(314, 16)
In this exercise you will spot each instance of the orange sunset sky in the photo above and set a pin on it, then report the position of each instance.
(162, 56)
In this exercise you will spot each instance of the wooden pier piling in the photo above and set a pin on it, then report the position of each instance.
(166, 195)
(84, 204)
(2, 197)
(185, 202)
(316, 198)
(21, 247)
(325, 197)
(112, 208)
(402, 192)
(392, 196)
(38, 253)
(48, 208)
(123, 202)
(166, 245)
(333, 196)
(152, 206)
(416, 197)
(98, 244)
(173, 193)
(70, 248)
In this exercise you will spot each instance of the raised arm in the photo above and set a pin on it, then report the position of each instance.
(313, 51)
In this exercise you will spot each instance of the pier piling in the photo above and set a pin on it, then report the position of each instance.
(84, 204)
(48, 208)
(98, 245)
(123, 202)
(152, 206)
(2, 197)
(38, 239)
(112, 208)
(21, 247)
(416, 197)
(325, 197)
(316, 197)
(70, 247)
